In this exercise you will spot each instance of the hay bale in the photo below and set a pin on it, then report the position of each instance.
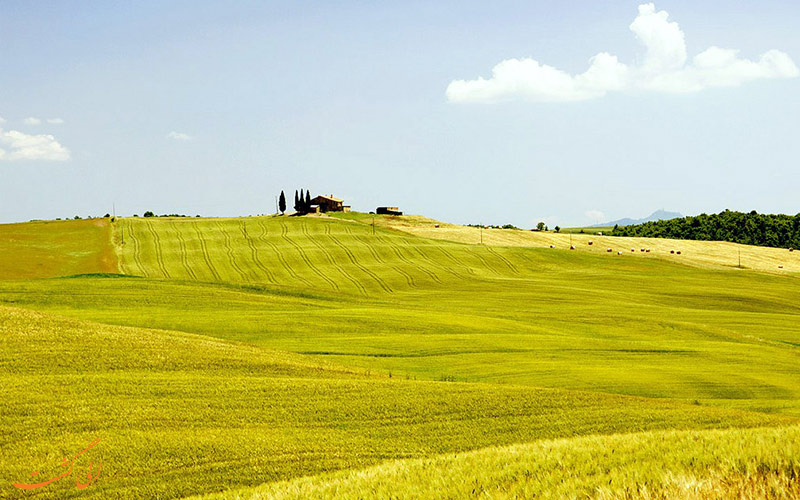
(552, 246)
(572, 247)
(591, 242)
(672, 251)
(609, 250)
(633, 250)
(619, 253)
(647, 251)
(678, 252)
(780, 267)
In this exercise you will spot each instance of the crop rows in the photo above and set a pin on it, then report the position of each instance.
(315, 253)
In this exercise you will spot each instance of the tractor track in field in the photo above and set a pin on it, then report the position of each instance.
(206, 255)
(409, 279)
(331, 260)
(254, 253)
(281, 258)
(504, 259)
(355, 262)
(398, 250)
(184, 251)
(159, 250)
(455, 261)
(304, 256)
(137, 250)
(486, 264)
(229, 251)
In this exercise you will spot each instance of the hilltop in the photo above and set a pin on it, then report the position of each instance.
(655, 216)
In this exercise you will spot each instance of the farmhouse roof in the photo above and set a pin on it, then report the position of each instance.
(331, 197)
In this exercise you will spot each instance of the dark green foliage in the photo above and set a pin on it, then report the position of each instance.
(149, 214)
(296, 202)
(752, 228)
(540, 226)
(308, 200)
(282, 203)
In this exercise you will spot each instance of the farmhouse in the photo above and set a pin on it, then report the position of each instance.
(388, 211)
(330, 204)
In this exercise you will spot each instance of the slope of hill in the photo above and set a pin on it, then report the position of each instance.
(705, 254)
(44, 249)
(391, 346)
(178, 414)
(727, 464)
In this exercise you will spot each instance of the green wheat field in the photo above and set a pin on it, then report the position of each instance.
(353, 356)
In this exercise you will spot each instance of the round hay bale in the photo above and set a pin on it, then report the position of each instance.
(552, 246)
(647, 251)
(791, 249)
(678, 252)
(780, 267)
(633, 250)
(572, 247)
(591, 242)
(619, 253)
(609, 250)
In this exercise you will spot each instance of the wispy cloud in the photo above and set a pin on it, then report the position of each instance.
(16, 146)
(179, 136)
(55, 121)
(595, 215)
(32, 121)
(663, 69)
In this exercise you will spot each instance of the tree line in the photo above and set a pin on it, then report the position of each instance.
(782, 231)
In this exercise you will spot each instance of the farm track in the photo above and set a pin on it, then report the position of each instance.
(184, 252)
(288, 268)
(331, 260)
(254, 253)
(455, 261)
(158, 250)
(503, 259)
(355, 262)
(229, 252)
(306, 259)
(137, 250)
(375, 255)
(486, 264)
(398, 249)
(206, 255)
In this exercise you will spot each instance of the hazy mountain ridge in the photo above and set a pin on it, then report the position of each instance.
(655, 216)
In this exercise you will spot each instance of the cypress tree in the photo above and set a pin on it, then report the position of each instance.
(302, 202)
(296, 202)
(308, 200)
(282, 202)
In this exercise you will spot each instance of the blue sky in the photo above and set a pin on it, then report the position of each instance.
(213, 108)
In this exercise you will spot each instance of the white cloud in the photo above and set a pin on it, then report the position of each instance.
(595, 215)
(32, 121)
(179, 136)
(20, 146)
(55, 121)
(663, 69)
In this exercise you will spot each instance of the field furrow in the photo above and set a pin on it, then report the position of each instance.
(254, 254)
(184, 252)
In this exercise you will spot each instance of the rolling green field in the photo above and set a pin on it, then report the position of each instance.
(210, 354)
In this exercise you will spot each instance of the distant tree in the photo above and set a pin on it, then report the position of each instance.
(308, 200)
(149, 214)
(107, 216)
(296, 202)
(540, 226)
(302, 202)
(77, 217)
(557, 229)
(282, 202)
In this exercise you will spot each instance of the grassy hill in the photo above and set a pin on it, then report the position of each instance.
(234, 352)
(44, 249)
(752, 463)
(179, 413)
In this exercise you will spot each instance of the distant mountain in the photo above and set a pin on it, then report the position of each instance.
(657, 215)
